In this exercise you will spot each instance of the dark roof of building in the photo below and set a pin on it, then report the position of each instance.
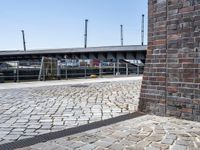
(77, 50)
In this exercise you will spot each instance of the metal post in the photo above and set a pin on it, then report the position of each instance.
(86, 26)
(58, 70)
(122, 38)
(17, 71)
(100, 73)
(118, 73)
(126, 69)
(24, 41)
(14, 74)
(142, 32)
(114, 69)
(66, 73)
(138, 70)
(43, 71)
(85, 70)
(52, 69)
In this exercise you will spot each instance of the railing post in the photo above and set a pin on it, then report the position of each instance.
(43, 71)
(14, 74)
(126, 69)
(118, 73)
(66, 73)
(85, 70)
(138, 70)
(100, 73)
(114, 73)
(58, 70)
(17, 71)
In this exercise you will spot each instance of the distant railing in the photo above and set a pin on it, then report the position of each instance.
(19, 71)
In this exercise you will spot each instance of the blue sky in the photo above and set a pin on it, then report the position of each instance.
(60, 23)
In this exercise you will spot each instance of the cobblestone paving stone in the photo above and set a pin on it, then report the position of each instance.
(28, 112)
(142, 133)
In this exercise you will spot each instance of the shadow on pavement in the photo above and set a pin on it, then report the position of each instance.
(59, 134)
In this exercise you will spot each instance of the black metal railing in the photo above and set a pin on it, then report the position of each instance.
(19, 71)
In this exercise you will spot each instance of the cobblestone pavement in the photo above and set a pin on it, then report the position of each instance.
(27, 112)
(146, 132)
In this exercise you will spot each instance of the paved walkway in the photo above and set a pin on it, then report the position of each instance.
(34, 108)
(146, 132)
(64, 82)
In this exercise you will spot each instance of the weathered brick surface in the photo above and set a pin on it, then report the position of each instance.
(171, 82)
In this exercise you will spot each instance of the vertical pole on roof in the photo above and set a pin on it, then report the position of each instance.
(142, 31)
(86, 28)
(122, 38)
(24, 41)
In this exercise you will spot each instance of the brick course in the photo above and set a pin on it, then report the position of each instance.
(171, 82)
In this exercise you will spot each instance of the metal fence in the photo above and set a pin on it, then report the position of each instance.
(18, 71)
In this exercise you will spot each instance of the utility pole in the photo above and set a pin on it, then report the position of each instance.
(24, 42)
(122, 38)
(142, 31)
(86, 26)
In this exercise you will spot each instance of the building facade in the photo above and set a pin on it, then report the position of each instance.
(171, 81)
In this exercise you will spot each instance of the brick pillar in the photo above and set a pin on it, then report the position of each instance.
(171, 82)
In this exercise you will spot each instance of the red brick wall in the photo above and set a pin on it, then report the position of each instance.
(171, 82)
